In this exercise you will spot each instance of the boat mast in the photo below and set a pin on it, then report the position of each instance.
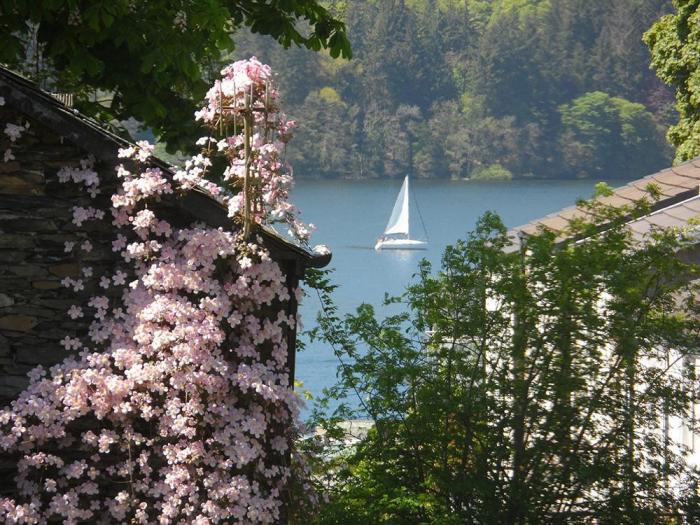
(408, 208)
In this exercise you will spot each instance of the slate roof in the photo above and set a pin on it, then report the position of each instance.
(679, 188)
(25, 96)
(676, 215)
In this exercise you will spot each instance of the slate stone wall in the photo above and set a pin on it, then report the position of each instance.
(35, 223)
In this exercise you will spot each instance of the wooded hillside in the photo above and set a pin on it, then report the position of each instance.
(479, 89)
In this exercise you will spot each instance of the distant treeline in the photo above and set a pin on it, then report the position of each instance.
(479, 89)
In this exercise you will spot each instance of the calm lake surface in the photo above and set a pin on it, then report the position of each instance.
(350, 215)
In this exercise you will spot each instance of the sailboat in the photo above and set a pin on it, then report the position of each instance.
(397, 235)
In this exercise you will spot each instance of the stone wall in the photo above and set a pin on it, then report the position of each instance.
(35, 223)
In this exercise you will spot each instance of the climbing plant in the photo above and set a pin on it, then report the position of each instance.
(177, 407)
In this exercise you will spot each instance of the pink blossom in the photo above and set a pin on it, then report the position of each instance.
(126, 153)
(81, 214)
(14, 131)
(162, 228)
(143, 221)
(84, 174)
(99, 302)
(179, 346)
(119, 278)
(75, 312)
(119, 244)
(70, 343)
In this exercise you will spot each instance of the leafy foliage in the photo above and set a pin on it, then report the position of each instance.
(149, 60)
(493, 172)
(603, 134)
(674, 42)
(524, 386)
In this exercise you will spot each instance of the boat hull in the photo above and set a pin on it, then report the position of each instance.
(400, 244)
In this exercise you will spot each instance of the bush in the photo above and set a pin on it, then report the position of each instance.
(492, 172)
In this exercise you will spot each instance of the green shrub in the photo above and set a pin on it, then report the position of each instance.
(492, 172)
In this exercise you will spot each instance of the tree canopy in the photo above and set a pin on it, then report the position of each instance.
(674, 42)
(482, 81)
(603, 134)
(149, 60)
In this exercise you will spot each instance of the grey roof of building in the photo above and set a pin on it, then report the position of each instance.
(675, 216)
(30, 99)
(678, 203)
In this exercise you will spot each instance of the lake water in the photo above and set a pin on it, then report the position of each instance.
(350, 215)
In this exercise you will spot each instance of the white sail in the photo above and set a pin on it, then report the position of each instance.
(398, 222)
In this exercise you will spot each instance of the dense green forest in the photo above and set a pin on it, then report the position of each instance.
(478, 89)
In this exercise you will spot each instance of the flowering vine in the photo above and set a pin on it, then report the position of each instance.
(244, 107)
(13, 132)
(177, 407)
